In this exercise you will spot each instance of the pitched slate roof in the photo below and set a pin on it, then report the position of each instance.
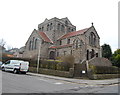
(70, 34)
(60, 46)
(45, 37)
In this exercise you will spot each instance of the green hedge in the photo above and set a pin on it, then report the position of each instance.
(105, 76)
(54, 65)
(50, 64)
(104, 69)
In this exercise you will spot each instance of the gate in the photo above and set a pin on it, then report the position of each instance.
(80, 70)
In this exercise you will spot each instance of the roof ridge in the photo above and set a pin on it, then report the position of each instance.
(47, 39)
(70, 34)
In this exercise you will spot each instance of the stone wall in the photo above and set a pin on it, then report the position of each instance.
(104, 76)
(54, 72)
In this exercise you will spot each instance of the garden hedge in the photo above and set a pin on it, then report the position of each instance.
(104, 69)
(50, 64)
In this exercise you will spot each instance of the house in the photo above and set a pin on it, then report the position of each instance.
(58, 37)
(17, 52)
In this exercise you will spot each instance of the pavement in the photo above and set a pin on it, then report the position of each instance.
(79, 81)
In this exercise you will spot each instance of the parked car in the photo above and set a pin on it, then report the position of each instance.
(16, 66)
(0, 64)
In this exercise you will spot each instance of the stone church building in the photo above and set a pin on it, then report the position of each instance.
(58, 37)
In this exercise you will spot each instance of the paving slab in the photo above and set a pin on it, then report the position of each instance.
(80, 81)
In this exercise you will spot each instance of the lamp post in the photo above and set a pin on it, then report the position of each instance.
(38, 55)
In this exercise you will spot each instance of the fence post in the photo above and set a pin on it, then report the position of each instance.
(87, 65)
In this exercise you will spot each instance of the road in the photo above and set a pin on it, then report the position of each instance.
(21, 83)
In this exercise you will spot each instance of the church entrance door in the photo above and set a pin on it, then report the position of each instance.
(52, 55)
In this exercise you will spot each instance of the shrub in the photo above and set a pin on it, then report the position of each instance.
(68, 61)
(53, 66)
(50, 64)
(33, 63)
(58, 64)
(58, 67)
(104, 69)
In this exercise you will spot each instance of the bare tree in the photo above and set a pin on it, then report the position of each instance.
(2, 42)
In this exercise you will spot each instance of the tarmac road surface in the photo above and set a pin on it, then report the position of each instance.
(21, 83)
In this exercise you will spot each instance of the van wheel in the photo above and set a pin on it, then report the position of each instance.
(15, 71)
(3, 69)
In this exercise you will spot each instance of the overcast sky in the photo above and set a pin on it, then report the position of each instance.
(18, 18)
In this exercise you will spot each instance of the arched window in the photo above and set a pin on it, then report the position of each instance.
(78, 43)
(42, 28)
(68, 41)
(72, 30)
(62, 28)
(35, 47)
(66, 22)
(96, 54)
(92, 39)
(33, 43)
(58, 26)
(89, 40)
(39, 29)
(60, 42)
(48, 27)
(51, 26)
(30, 45)
(68, 30)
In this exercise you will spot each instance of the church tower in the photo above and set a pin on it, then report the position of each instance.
(54, 28)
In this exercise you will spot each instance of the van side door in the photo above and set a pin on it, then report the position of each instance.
(7, 65)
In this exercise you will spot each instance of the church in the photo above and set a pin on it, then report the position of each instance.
(58, 38)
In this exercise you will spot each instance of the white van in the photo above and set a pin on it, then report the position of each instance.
(16, 66)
